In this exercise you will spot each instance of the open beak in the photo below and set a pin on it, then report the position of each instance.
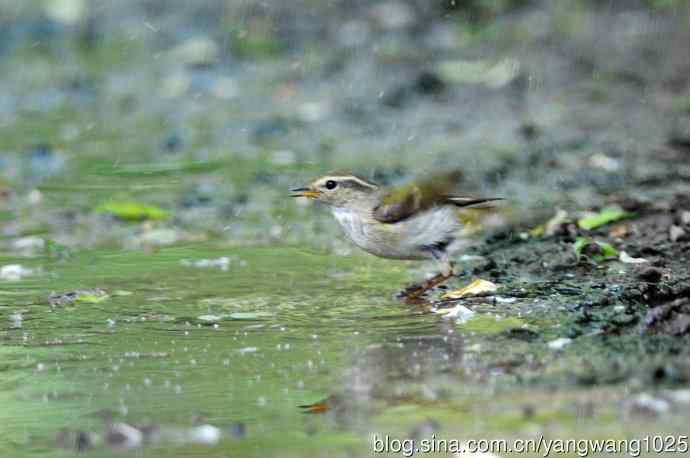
(304, 192)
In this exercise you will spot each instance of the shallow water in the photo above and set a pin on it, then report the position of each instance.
(275, 329)
(240, 349)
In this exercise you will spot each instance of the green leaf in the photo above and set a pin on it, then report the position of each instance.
(89, 298)
(133, 211)
(84, 296)
(605, 216)
(603, 251)
(609, 251)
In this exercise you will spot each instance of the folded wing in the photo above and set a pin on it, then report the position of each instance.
(403, 202)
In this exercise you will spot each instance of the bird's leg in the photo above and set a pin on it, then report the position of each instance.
(413, 292)
(416, 290)
(444, 262)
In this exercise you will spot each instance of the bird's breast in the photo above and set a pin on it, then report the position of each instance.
(403, 240)
(356, 228)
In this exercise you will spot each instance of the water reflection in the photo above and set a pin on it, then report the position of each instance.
(407, 368)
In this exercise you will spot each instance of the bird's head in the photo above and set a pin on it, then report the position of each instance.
(338, 190)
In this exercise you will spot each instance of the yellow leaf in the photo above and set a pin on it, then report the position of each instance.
(550, 227)
(475, 288)
(537, 231)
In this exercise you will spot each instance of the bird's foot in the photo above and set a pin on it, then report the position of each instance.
(413, 293)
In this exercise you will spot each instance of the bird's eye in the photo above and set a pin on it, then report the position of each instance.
(331, 184)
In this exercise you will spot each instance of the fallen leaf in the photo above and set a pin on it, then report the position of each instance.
(478, 286)
(87, 296)
(322, 406)
(597, 251)
(91, 298)
(627, 259)
(133, 211)
(605, 216)
(619, 230)
(537, 231)
(552, 225)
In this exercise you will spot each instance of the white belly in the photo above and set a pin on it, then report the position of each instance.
(407, 239)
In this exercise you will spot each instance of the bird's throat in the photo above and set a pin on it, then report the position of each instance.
(345, 218)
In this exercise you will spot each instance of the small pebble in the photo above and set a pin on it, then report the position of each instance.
(238, 430)
(645, 404)
(14, 272)
(627, 259)
(460, 313)
(196, 52)
(173, 143)
(16, 320)
(393, 15)
(676, 233)
(685, 217)
(559, 344)
(528, 411)
(649, 274)
(123, 436)
(680, 396)
(69, 12)
(204, 434)
(28, 246)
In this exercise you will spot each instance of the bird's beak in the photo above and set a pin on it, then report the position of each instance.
(305, 192)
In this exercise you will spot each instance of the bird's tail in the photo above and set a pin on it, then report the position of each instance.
(490, 220)
(467, 201)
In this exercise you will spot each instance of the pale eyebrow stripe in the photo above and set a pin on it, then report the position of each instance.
(355, 179)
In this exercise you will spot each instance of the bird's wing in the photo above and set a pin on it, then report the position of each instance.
(399, 203)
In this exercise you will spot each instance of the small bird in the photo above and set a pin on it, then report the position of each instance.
(413, 222)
